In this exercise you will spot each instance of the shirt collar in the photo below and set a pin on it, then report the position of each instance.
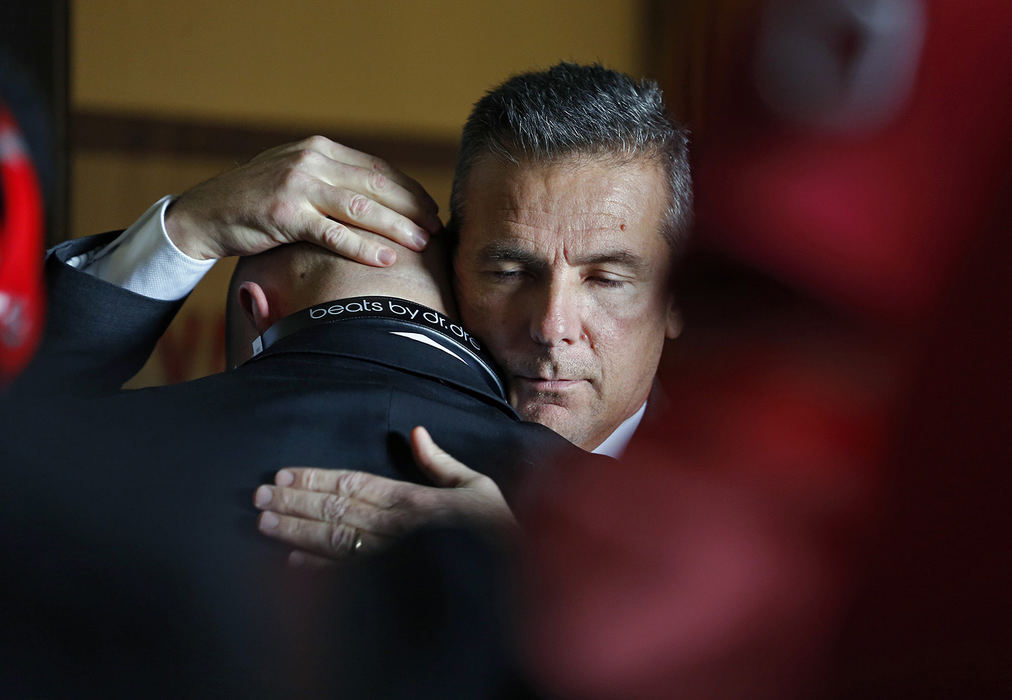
(614, 445)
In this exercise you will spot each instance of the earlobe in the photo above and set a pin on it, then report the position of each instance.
(673, 326)
(254, 305)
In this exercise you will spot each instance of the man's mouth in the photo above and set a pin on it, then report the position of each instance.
(540, 384)
(549, 376)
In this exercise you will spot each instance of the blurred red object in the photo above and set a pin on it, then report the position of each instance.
(868, 219)
(21, 231)
(811, 437)
(713, 560)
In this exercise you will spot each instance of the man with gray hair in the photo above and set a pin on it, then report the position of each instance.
(571, 199)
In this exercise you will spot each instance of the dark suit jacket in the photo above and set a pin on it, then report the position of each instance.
(343, 394)
(156, 484)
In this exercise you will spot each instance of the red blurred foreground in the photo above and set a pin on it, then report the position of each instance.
(823, 512)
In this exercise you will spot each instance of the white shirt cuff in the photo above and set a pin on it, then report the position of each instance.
(144, 260)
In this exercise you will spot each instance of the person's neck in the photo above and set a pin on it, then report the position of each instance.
(419, 278)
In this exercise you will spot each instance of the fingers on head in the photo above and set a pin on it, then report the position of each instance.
(348, 242)
(377, 176)
(349, 206)
(353, 188)
(368, 162)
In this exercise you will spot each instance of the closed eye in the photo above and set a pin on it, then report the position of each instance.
(607, 281)
(506, 275)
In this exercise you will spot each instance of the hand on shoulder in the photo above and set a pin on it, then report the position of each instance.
(334, 513)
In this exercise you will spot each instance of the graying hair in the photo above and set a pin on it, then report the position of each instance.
(575, 110)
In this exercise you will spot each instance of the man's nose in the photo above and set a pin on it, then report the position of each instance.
(556, 318)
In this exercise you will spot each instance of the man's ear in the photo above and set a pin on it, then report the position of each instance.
(673, 324)
(255, 307)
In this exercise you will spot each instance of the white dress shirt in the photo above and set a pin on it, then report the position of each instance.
(614, 445)
(144, 260)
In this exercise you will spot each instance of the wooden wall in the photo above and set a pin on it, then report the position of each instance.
(164, 95)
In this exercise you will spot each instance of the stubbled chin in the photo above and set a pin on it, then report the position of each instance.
(552, 416)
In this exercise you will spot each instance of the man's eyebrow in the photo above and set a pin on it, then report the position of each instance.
(621, 257)
(500, 251)
(506, 251)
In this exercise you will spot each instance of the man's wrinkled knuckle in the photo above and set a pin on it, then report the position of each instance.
(333, 508)
(349, 483)
(377, 181)
(336, 237)
(309, 479)
(341, 539)
(358, 205)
